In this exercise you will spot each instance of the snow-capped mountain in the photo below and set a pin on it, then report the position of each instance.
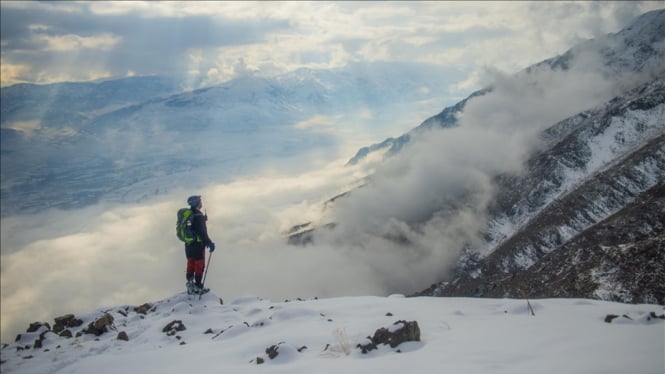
(582, 214)
(69, 145)
(637, 49)
(350, 335)
(586, 217)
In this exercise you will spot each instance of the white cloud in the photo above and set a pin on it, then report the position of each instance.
(422, 206)
(508, 36)
(66, 261)
(319, 123)
(70, 42)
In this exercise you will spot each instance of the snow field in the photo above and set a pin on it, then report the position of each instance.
(320, 335)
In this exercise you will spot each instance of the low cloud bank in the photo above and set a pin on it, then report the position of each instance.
(420, 208)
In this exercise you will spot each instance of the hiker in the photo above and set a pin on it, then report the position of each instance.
(195, 250)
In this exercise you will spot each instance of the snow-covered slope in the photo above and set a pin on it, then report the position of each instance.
(598, 165)
(585, 172)
(185, 334)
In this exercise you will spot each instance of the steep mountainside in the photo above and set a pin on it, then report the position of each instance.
(584, 218)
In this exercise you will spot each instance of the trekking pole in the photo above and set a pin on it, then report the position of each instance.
(205, 274)
(525, 296)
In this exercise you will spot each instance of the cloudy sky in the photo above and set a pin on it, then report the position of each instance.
(210, 42)
(61, 262)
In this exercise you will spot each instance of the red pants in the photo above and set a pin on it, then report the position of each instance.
(195, 266)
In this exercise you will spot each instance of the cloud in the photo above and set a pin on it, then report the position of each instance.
(63, 43)
(273, 38)
(421, 207)
(319, 123)
(119, 42)
(75, 261)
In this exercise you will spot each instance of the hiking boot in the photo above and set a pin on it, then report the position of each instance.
(191, 287)
(204, 291)
(201, 291)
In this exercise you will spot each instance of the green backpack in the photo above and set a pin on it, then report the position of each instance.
(183, 227)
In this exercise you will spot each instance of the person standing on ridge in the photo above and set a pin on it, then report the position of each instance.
(195, 251)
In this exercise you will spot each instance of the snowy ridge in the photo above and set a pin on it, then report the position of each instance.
(584, 219)
(603, 144)
(183, 333)
(639, 48)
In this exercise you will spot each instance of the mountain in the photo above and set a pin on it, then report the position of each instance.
(73, 104)
(350, 335)
(69, 145)
(585, 218)
(581, 213)
(638, 48)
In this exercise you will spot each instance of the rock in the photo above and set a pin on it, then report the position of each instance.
(66, 333)
(610, 317)
(40, 341)
(143, 309)
(173, 327)
(66, 321)
(100, 325)
(366, 347)
(272, 351)
(103, 321)
(259, 360)
(654, 315)
(35, 326)
(394, 336)
(123, 336)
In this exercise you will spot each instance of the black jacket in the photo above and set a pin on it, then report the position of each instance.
(200, 229)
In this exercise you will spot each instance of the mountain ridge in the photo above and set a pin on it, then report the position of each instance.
(597, 166)
(587, 168)
(644, 37)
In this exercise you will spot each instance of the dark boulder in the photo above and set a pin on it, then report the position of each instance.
(173, 327)
(100, 325)
(35, 326)
(66, 321)
(393, 336)
(143, 309)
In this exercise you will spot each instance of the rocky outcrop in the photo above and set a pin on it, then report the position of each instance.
(173, 327)
(400, 332)
(100, 325)
(274, 350)
(65, 322)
